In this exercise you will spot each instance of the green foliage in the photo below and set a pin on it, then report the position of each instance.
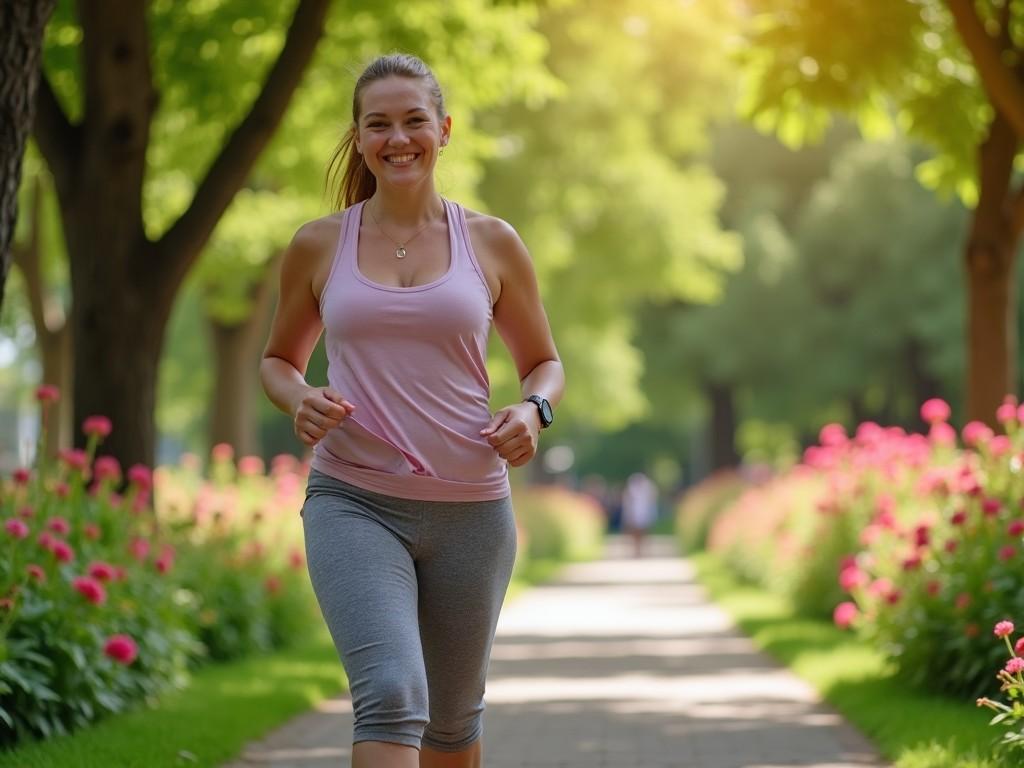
(698, 508)
(557, 524)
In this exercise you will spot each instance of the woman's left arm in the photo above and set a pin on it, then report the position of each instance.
(522, 323)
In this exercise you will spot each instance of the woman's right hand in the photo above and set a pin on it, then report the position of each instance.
(320, 409)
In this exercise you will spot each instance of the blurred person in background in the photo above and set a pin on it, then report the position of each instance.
(639, 509)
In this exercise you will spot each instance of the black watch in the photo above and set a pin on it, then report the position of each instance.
(544, 408)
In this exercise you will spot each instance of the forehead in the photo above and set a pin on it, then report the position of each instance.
(396, 95)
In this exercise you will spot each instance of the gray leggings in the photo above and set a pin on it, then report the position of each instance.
(410, 591)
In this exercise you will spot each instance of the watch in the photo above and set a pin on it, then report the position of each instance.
(544, 408)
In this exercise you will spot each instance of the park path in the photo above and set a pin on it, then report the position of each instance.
(619, 663)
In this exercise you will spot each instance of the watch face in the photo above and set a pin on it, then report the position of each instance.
(545, 412)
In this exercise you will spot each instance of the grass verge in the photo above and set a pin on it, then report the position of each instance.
(225, 707)
(914, 729)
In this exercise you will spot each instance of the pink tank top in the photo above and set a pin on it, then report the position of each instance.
(413, 362)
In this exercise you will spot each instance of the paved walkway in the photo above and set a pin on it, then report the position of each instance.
(619, 663)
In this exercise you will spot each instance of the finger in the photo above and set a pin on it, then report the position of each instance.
(335, 397)
(496, 421)
(307, 438)
(521, 456)
(330, 410)
(510, 430)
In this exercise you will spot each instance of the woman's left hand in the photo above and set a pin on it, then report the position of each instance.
(513, 432)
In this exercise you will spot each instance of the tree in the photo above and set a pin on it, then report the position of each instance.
(21, 41)
(950, 71)
(123, 279)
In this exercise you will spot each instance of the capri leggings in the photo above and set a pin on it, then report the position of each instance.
(410, 591)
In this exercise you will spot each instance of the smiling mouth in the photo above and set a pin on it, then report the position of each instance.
(400, 159)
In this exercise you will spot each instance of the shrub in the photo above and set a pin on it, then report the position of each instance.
(559, 524)
(701, 504)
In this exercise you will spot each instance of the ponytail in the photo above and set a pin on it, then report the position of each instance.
(348, 181)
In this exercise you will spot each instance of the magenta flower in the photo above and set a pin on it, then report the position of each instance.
(1007, 553)
(1003, 629)
(21, 476)
(1018, 647)
(97, 426)
(991, 507)
(47, 393)
(107, 468)
(140, 476)
(249, 466)
(62, 489)
(976, 433)
(959, 517)
(1015, 665)
(941, 433)
(845, 614)
(832, 435)
(121, 648)
(102, 571)
(74, 458)
(26, 512)
(139, 548)
(16, 528)
(36, 572)
(222, 452)
(999, 445)
(1006, 412)
(62, 551)
(851, 577)
(91, 531)
(1016, 528)
(59, 525)
(90, 589)
(935, 411)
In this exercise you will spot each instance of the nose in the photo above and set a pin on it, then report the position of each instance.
(397, 137)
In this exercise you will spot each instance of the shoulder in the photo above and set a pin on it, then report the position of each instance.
(496, 234)
(310, 253)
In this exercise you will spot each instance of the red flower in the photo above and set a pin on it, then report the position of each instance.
(90, 589)
(62, 551)
(121, 648)
(21, 476)
(296, 559)
(959, 517)
(75, 458)
(47, 393)
(991, 507)
(91, 531)
(36, 572)
(139, 548)
(140, 476)
(107, 468)
(845, 614)
(1018, 647)
(1007, 553)
(59, 525)
(102, 571)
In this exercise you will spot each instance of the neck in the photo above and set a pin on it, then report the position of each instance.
(410, 207)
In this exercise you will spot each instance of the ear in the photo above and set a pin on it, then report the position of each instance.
(446, 130)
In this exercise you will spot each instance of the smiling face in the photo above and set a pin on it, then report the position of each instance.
(399, 132)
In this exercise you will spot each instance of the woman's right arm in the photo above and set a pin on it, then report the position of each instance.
(293, 336)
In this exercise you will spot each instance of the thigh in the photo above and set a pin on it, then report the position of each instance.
(365, 582)
(464, 569)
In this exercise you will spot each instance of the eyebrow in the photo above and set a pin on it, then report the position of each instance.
(368, 115)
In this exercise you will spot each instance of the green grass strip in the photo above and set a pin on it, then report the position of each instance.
(224, 708)
(914, 729)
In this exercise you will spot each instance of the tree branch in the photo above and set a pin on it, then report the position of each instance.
(1001, 82)
(57, 137)
(181, 244)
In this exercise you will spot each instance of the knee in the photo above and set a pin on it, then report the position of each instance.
(454, 732)
(390, 707)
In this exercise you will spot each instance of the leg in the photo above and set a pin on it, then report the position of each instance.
(464, 567)
(366, 585)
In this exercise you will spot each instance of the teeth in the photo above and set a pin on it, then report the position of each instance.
(401, 158)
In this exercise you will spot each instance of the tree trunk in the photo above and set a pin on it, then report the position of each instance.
(21, 43)
(53, 336)
(722, 435)
(124, 285)
(237, 350)
(989, 262)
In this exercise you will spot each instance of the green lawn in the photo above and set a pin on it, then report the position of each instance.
(912, 728)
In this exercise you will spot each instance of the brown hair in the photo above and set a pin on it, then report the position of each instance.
(348, 178)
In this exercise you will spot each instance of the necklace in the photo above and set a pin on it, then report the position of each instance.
(399, 247)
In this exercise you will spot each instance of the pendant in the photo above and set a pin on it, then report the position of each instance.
(400, 252)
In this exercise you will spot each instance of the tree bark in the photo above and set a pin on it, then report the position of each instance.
(21, 44)
(53, 335)
(989, 262)
(722, 434)
(123, 284)
(237, 350)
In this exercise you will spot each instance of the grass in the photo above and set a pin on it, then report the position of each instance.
(912, 728)
(225, 707)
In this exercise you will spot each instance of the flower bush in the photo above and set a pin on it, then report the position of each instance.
(107, 598)
(1011, 679)
(698, 508)
(558, 524)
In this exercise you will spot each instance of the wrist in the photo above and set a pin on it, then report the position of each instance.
(545, 413)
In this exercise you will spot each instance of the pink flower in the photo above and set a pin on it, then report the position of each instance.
(1003, 629)
(102, 571)
(935, 410)
(90, 589)
(959, 517)
(250, 465)
(832, 435)
(1015, 665)
(36, 572)
(222, 452)
(999, 446)
(894, 597)
(63, 552)
(941, 433)
(976, 433)
(21, 476)
(845, 614)
(91, 531)
(933, 587)
(922, 535)
(851, 577)
(1018, 647)
(912, 563)
(121, 648)
(139, 548)
(991, 507)
(951, 545)
(47, 393)
(62, 489)
(1007, 553)
(74, 458)
(107, 468)
(140, 476)
(97, 426)
(26, 512)
(1016, 528)
(16, 528)
(1006, 412)
(59, 525)
(880, 587)
(963, 600)
(296, 559)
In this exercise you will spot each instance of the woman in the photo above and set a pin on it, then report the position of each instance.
(409, 531)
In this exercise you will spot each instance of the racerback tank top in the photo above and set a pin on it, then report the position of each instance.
(413, 362)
